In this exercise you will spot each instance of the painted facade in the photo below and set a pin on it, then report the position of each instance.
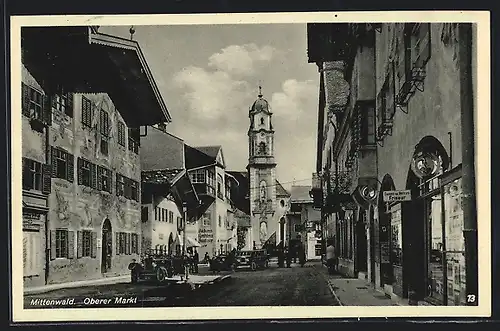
(81, 168)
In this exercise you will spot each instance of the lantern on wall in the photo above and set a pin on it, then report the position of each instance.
(425, 164)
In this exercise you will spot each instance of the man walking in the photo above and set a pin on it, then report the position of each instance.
(196, 260)
(330, 257)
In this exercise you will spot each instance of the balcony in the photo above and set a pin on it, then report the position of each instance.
(204, 189)
(338, 191)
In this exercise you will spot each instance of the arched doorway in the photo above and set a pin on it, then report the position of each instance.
(170, 244)
(384, 232)
(424, 269)
(107, 246)
(361, 260)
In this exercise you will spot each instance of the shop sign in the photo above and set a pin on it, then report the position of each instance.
(397, 196)
(205, 235)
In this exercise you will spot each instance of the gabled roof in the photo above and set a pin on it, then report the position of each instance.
(213, 152)
(280, 190)
(300, 193)
(161, 151)
(195, 158)
(95, 63)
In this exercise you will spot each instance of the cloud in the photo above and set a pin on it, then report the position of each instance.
(216, 101)
(241, 60)
(295, 121)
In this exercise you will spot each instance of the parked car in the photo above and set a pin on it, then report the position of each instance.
(156, 267)
(254, 259)
(221, 263)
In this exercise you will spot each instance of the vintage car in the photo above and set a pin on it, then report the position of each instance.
(156, 267)
(254, 259)
(221, 263)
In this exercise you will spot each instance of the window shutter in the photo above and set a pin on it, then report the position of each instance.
(46, 179)
(71, 244)
(128, 243)
(25, 99)
(110, 181)
(93, 244)
(70, 103)
(93, 175)
(79, 164)
(99, 176)
(138, 196)
(53, 161)
(79, 244)
(52, 244)
(47, 109)
(117, 183)
(117, 243)
(70, 167)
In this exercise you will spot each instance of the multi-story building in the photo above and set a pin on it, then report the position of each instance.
(82, 107)
(217, 225)
(305, 222)
(167, 193)
(396, 137)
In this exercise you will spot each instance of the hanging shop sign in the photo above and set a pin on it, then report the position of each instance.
(397, 196)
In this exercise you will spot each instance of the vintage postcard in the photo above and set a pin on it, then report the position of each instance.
(245, 166)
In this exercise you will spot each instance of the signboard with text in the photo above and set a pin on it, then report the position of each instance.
(397, 196)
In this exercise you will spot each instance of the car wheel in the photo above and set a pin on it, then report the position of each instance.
(160, 274)
(253, 266)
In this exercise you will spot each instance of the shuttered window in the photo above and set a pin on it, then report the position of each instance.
(87, 173)
(32, 175)
(32, 102)
(104, 179)
(63, 102)
(62, 164)
(121, 134)
(62, 244)
(86, 244)
(86, 112)
(120, 185)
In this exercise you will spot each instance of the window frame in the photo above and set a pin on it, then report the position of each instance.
(62, 243)
(30, 180)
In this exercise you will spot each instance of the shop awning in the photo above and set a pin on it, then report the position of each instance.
(190, 242)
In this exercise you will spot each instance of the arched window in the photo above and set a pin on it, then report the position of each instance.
(262, 121)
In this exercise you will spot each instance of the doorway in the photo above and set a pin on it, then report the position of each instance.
(107, 246)
(361, 244)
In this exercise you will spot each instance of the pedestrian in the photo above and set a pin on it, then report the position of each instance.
(196, 260)
(206, 259)
(330, 257)
(288, 255)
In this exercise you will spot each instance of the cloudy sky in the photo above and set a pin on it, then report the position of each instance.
(209, 77)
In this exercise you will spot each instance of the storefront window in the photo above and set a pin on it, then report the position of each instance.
(396, 236)
(435, 256)
(455, 245)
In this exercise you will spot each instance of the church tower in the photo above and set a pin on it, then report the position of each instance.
(262, 173)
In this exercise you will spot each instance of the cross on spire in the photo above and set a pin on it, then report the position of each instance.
(260, 89)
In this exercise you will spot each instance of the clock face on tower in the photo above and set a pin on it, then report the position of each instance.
(262, 134)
